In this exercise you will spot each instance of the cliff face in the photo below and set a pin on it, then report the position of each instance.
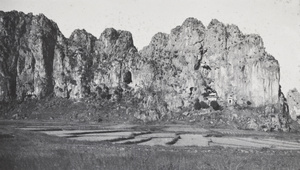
(293, 100)
(37, 60)
(174, 72)
(217, 60)
(27, 48)
(91, 65)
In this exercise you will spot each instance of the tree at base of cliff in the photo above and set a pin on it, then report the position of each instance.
(215, 105)
(197, 105)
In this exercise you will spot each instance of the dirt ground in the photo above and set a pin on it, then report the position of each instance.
(45, 145)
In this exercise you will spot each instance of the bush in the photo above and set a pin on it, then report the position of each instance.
(215, 105)
(204, 105)
(197, 105)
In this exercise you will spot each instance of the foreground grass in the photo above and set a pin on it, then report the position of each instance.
(31, 150)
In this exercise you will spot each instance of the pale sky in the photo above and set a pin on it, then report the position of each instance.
(276, 21)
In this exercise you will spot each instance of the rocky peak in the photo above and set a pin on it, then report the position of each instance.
(193, 23)
(113, 41)
(216, 37)
(80, 35)
(83, 39)
(234, 35)
(214, 23)
(109, 34)
(187, 36)
(113, 36)
(159, 39)
(254, 39)
(158, 42)
(125, 40)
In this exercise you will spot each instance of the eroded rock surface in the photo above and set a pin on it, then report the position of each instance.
(194, 62)
(27, 48)
(192, 68)
(293, 100)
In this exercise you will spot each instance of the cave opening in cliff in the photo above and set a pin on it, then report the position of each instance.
(127, 77)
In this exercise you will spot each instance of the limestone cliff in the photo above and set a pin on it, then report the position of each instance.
(27, 49)
(196, 61)
(293, 100)
(37, 60)
(193, 67)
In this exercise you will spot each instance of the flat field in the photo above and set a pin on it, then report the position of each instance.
(30, 144)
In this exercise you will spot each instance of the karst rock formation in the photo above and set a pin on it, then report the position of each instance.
(293, 100)
(175, 71)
